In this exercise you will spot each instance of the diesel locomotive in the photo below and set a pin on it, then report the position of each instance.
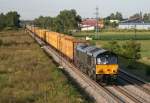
(99, 64)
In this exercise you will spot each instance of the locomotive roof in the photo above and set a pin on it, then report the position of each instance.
(81, 46)
(100, 51)
(90, 50)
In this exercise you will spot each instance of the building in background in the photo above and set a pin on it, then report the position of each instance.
(114, 21)
(138, 26)
(134, 23)
(91, 24)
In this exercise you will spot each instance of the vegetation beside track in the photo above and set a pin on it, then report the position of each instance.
(120, 35)
(27, 75)
(140, 68)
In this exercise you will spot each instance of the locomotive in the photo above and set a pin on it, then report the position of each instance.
(99, 64)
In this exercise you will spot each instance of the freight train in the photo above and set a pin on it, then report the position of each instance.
(98, 63)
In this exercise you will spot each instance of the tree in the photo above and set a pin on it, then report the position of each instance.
(137, 15)
(65, 22)
(146, 17)
(2, 21)
(114, 47)
(115, 16)
(131, 50)
(118, 16)
(112, 16)
(58, 25)
(69, 20)
(12, 19)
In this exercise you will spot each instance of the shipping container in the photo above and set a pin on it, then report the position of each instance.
(64, 44)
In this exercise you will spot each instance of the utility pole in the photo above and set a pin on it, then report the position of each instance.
(97, 19)
(135, 31)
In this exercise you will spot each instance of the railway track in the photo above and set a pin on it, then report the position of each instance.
(130, 95)
(106, 93)
(109, 94)
(135, 81)
(138, 88)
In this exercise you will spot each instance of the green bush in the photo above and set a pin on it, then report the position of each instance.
(131, 49)
(113, 46)
(92, 43)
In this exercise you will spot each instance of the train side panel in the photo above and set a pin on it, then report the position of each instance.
(47, 37)
(43, 34)
(66, 47)
(52, 38)
(64, 44)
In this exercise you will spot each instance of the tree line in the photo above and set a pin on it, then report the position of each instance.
(65, 22)
(68, 20)
(9, 20)
(118, 16)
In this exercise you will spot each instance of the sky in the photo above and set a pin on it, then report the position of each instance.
(30, 9)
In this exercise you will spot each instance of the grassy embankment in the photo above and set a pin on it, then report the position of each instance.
(27, 75)
(115, 35)
(143, 65)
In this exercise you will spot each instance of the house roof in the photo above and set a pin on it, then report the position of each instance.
(133, 20)
(90, 22)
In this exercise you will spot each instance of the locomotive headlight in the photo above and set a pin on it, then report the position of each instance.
(114, 71)
(101, 71)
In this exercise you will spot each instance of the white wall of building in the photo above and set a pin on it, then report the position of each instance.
(88, 28)
(132, 26)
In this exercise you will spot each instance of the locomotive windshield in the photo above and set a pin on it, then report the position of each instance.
(107, 59)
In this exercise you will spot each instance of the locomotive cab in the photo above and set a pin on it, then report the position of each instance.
(107, 66)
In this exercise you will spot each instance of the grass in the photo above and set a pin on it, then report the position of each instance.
(118, 37)
(112, 33)
(115, 35)
(28, 75)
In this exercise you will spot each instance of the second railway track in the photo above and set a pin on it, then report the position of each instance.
(138, 88)
(135, 81)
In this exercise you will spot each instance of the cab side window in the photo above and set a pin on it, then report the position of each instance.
(98, 61)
